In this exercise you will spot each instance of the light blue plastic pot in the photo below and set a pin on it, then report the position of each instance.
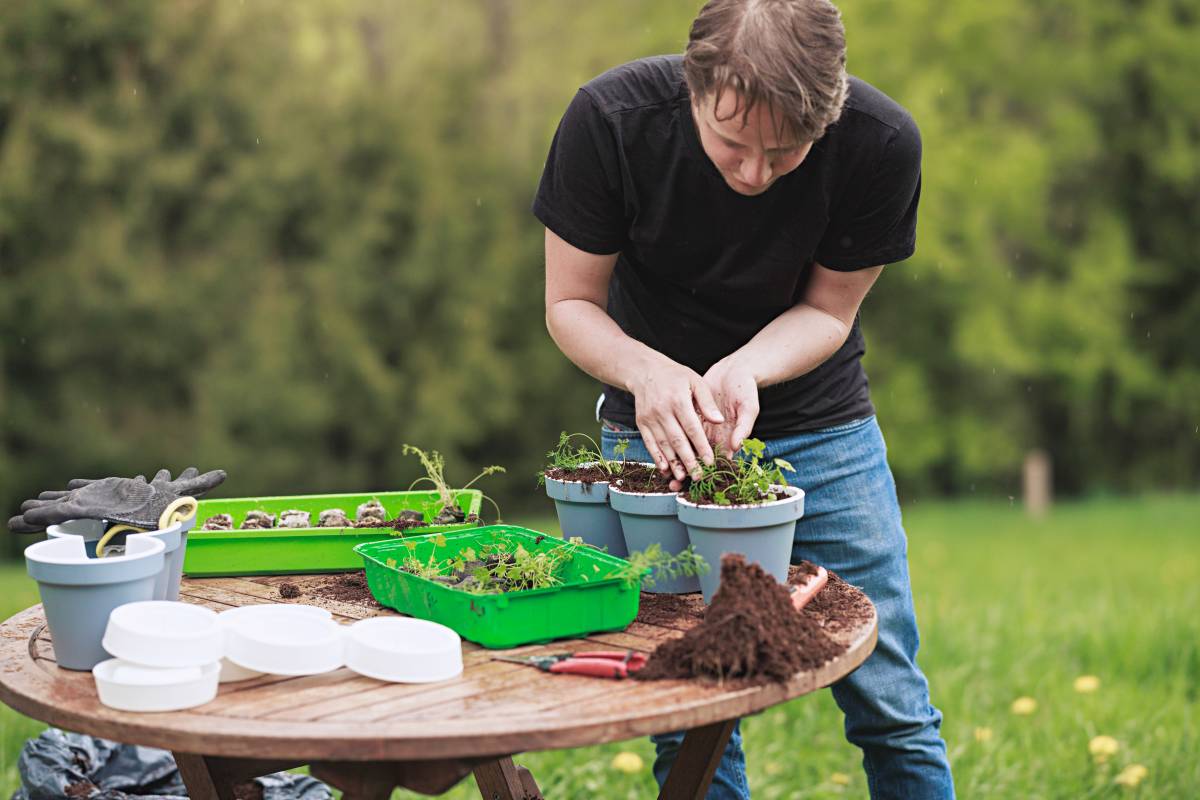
(762, 533)
(173, 537)
(648, 519)
(78, 593)
(583, 511)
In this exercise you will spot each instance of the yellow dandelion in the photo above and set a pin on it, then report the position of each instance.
(1131, 776)
(1103, 748)
(1024, 706)
(983, 734)
(627, 762)
(773, 768)
(840, 778)
(1086, 684)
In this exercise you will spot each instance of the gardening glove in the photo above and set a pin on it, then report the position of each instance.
(131, 501)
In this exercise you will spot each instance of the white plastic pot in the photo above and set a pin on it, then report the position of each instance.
(161, 633)
(403, 650)
(134, 687)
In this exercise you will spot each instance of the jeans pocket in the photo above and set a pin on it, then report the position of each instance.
(617, 430)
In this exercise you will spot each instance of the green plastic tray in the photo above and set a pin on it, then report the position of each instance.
(585, 603)
(297, 551)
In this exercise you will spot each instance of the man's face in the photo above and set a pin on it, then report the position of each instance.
(750, 156)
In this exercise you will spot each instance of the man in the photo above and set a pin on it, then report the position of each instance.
(713, 223)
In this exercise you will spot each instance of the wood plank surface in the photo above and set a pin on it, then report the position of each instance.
(492, 709)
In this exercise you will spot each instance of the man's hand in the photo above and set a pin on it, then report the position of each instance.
(735, 389)
(674, 404)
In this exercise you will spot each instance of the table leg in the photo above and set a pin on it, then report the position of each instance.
(693, 770)
(503, 780)
(213, 777)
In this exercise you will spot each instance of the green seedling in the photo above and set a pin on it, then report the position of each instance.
(435, 469)
(745, 480)
(567, 456)
(645, 565)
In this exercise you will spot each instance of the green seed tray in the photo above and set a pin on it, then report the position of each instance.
(298, 551)
(586, 602)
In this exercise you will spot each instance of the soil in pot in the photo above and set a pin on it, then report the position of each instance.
(593, 473)
(749, 632)
(642, 479)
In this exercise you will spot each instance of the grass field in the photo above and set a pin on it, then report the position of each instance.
(1008, 608)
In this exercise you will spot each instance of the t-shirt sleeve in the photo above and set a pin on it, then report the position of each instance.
(580, 196)
(879, 223)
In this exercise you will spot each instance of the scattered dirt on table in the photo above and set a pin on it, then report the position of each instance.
(289, 591)
(836, 608)
(350, 587)
(81, 789)
(250, 790)
(679, 611)
(643, 479)
(592, 474)
(749, 632)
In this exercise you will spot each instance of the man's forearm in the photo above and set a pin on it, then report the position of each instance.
(588, 336)
(793, 344)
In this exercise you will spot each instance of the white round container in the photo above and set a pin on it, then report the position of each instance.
(403, 650)
(231, 672)
(162, 633)
(134, 687)
(283, 642)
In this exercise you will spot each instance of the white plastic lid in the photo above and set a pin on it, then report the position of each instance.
(403, 650)
(133, 687)
(283, 642)
(164, 633)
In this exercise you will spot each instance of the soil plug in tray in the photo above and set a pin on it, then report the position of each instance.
(297, 551)
(595, 593)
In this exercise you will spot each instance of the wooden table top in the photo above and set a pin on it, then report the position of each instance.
(493, 708)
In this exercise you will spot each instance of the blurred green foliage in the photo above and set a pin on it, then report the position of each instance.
(282, 238)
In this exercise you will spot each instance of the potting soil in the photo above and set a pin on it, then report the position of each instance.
(749, 632)
(289, 591)
(592, 474)
(643, 480)
(350, 587)
(837, 607)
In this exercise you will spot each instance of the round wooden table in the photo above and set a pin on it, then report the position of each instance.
(366, 736)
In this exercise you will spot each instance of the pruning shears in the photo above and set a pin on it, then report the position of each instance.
(593, 663)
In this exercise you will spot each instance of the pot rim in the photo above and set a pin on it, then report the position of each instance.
(581, 483)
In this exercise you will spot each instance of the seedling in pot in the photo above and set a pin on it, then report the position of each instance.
(435, 466)
(582, 462)
(744, 480)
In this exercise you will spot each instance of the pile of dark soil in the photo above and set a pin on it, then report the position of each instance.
(643, 479)
(592, 474)
(350, 587)
(749, 632)
(289, 591)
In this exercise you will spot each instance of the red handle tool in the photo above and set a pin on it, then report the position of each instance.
(808, 590)
(593, 663)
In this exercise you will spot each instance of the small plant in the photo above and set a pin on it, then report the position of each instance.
(743, 481)
(567, 457)
(435, 466)
(494, 569)
(653, 558)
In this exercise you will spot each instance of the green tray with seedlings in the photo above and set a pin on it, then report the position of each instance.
(268, 547)
(302, 534)
(504, 586)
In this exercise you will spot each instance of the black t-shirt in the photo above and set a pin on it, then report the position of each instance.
(702, 269)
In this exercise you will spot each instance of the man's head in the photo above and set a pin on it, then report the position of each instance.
(767, 77)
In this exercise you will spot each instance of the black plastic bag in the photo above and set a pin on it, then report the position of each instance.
(59, 765)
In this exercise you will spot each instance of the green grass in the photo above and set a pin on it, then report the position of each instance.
(1008, 608)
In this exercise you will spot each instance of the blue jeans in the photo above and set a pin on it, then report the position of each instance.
(851, 525)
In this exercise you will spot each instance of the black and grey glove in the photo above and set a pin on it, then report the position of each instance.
(132, 501)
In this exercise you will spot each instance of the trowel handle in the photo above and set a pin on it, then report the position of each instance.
(805, 592)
